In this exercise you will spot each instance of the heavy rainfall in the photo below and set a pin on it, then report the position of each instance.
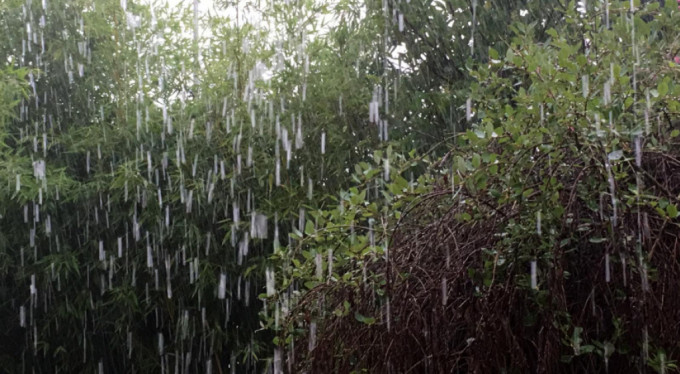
(339, 186)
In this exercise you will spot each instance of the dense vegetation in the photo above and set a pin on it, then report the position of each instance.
(338, 186)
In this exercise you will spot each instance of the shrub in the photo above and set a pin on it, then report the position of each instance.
(548, 245)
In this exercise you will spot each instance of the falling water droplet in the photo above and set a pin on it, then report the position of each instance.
(278, 368)
(445, 292)
(607, 271)
(161, 344)
(468, 109)
(270, 282)
(222, 289)
(102, 254)
(149, 257)
(585, 86)
(330, 262)
(312, 336)
(318, 261)
(606, 13)
(22, 316)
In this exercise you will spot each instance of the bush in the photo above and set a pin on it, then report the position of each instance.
(549, 244)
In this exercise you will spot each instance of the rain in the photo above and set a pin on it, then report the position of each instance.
(324, 186)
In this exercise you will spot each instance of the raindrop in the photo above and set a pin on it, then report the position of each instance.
(222, 288)
(612, 188)
(149, 256)
(388, 314)
(39, 169)
(444, 292)
(585, 86)
(258, 226)
(312, 336)
(102, 254)
(607, 271)
(168, 283)
(318, 261)
(278, 368)
(161, 344)
(468, 109)
(22, 316)
(606, 13)
(606, 99)
(270, 282)
(330, 262)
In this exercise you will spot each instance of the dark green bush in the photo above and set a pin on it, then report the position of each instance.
(545, 240)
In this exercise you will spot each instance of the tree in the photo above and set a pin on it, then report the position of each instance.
(146, 190)
(540, 249)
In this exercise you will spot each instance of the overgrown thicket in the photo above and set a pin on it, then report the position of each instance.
(152, 157)
(339, 186)
(461, 298)
(156, 156)
(545, 240)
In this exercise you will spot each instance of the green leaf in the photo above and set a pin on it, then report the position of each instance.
(296, 234)
(309, 228)
(672, 211)
(629, 101)
(400, 182)
(363, 319)
(663, 88)
(587, 348)
(476, 160)
(493, 53)
(493, 169)
(460, 164)
(509, 54)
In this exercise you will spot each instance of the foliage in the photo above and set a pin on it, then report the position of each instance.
(153, 158)
(548, 238)
(435, 44)
(165, 166)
